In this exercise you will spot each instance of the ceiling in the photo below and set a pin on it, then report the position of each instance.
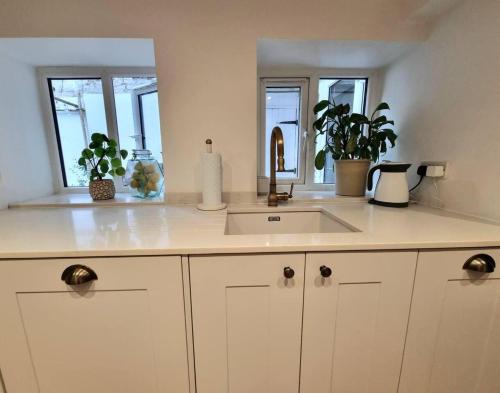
(330, 54)
(113, 52)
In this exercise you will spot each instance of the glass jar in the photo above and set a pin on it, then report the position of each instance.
(144, 175)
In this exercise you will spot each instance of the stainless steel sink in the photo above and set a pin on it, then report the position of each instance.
(279, 222)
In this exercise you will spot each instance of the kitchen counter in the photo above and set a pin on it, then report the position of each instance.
(182, 229)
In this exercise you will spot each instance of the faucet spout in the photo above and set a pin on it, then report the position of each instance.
(277, 145)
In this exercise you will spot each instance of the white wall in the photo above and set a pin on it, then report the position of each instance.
(205, 54)
(24, 164)
(445, 98)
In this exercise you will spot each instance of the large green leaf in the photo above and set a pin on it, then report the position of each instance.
(321, 106)
(120, 171)
(319, 161)
(337, 140)
(123, 153)
(82, 162)
(318, 124)
(356, 129)
(94, 173)
(380, 119)
(116, 162)
(382, 106)
(87, 154)
(99, 152)
(359, 118)
(104, 167)
(391, 136)
(112, 143)
(111, 152)
(97, 137)
(352, 143)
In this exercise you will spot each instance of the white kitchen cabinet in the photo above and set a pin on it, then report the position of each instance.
(247, 321)
(124, 332)
(355, 321)
(453, 343)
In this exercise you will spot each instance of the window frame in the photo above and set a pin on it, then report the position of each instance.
(372, 96)
(364, 106)
(138, 94)
(106, 75)
(304, 85)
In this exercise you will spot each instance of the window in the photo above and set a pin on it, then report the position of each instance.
(137, 114)
(78, 108)
(286, 102)
(112, 101)
(340, 91)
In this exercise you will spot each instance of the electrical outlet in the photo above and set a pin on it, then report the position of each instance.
(435, 169)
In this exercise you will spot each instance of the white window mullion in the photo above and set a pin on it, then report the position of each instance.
(111, 120)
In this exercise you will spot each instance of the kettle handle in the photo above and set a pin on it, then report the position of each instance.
(370, 176)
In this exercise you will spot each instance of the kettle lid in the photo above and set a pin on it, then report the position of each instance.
(393, 167)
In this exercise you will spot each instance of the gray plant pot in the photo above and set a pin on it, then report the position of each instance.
(350, 177)
(101, 190)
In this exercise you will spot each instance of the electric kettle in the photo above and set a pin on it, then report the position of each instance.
(392, 185)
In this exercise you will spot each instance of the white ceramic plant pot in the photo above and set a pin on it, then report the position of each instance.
(350, 177)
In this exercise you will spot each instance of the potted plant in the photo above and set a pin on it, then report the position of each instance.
(102, 158)
(353, 140)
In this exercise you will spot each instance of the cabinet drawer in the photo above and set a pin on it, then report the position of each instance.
(122, 331)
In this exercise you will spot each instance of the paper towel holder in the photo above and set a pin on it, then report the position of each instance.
(218, 204)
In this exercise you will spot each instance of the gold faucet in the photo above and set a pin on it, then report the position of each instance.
(277, 143)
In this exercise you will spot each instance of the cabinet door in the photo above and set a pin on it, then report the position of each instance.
(124, 332)
(247, 321)
(453, 343)
(355, 321)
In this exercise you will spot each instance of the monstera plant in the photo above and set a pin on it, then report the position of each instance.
(100, 159)
(354, 140)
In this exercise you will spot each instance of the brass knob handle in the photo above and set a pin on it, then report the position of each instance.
(288, 272)
(78, 274)
(481, 263)
(325, 271)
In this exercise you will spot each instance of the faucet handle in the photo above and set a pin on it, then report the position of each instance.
(291, 191)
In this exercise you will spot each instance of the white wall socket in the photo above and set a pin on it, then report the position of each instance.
(435, 168)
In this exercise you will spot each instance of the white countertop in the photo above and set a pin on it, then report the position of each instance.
(169, 229)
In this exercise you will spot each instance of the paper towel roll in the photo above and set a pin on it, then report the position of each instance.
(212, 182)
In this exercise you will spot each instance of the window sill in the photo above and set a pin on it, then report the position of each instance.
(84, 200)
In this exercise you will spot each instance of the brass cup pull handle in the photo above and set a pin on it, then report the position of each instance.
(481, 263)
(78, 274)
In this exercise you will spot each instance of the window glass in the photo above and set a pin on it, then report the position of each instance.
(282, 108)
(340, 91)
(137, 114)
(78, 108)
(150, 116)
